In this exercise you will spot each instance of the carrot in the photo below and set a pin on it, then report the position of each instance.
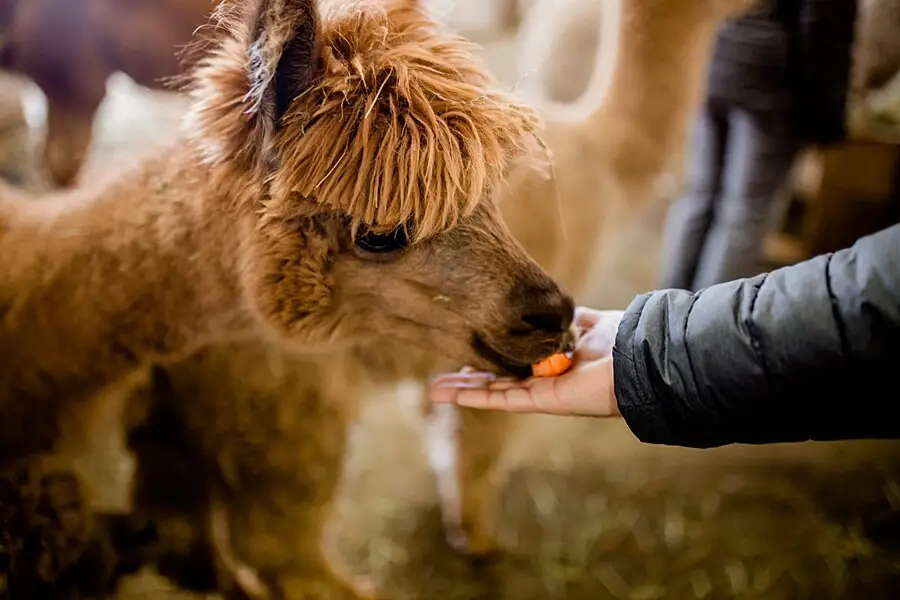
(553, 365)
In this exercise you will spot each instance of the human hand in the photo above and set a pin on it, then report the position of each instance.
(586, 389)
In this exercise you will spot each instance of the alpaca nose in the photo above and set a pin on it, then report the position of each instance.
(544, 310)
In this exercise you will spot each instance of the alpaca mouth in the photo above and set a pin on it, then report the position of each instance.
(501, 362)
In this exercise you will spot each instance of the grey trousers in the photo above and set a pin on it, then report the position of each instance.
(714, 232)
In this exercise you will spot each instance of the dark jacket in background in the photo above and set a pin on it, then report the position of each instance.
(807, 352)
(789, 55)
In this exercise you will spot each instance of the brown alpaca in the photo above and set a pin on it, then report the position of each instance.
(71, 47)
(333, 189)
(608, 164)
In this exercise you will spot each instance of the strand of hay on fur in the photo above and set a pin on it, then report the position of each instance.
(402, 127)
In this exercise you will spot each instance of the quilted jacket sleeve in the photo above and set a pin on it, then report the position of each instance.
(810, 351)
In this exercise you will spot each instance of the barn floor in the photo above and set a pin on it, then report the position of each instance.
(587, 513)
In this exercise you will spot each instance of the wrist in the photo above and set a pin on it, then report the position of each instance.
(612, 405)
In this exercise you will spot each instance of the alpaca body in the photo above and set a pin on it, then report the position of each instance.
(269, 467)
(154, 303)
(69, 48)
(118, 295)
(609, 166)
(277, 219)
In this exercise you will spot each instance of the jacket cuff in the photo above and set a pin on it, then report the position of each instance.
(644, 417)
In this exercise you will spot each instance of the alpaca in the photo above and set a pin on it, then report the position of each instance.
(632, 135)
(333, 188)
(609, 162)
(50, 40)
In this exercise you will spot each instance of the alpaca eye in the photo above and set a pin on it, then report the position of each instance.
(382, 243)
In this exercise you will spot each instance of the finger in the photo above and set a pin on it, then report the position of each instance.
(515, 399)
(531, 396)
(443, 395)
(543, 396)
(506, 383)
(481, 398)
(476, 379)
(518, 399)
(467, 378)
(598, 341)
(585, 318)
(444, 389)
(508, 395)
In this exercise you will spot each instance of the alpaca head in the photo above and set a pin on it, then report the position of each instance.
(367, 143)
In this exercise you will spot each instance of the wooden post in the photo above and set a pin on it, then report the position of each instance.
(854, 196)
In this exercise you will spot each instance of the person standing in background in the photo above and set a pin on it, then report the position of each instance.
(778, 81)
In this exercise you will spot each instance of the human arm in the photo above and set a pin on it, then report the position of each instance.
(805, 352)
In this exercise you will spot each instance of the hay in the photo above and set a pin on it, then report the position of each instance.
(643, 526)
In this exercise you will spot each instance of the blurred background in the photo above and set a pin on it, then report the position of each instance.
(587, 512)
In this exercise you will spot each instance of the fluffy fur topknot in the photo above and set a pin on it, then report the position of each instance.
(401, 126)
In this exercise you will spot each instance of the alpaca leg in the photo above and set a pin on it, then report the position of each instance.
(170, 488)
(69, 130)
(312, 577)
(463, 448)
(276, 524)
(51, 544)
(271, 433)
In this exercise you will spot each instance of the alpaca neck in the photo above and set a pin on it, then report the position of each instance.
(94, 287)
(656, 64)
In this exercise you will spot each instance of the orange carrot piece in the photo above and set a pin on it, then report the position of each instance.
(552, 366)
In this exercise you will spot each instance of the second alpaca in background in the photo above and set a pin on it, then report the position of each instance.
(70, 48)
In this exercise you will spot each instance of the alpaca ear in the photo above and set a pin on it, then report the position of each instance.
(283, 56)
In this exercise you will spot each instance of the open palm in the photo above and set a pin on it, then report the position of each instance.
(587, 389)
